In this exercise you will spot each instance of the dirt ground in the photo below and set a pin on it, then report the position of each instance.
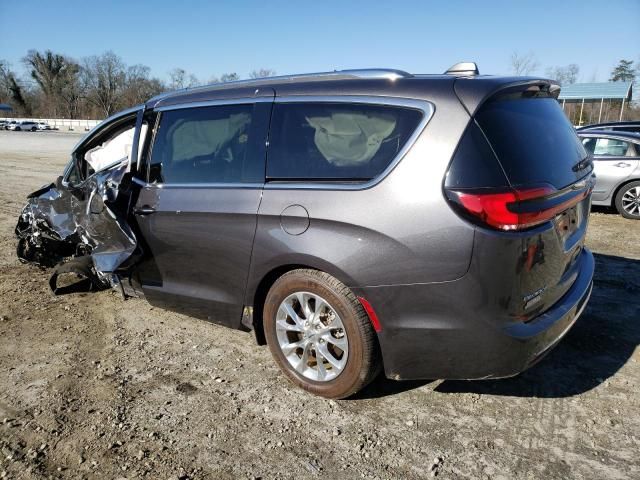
(92, 386)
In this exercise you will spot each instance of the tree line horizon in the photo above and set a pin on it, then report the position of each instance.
(58, 86)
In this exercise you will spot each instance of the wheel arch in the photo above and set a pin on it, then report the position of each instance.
(627, 181)
(257, 294)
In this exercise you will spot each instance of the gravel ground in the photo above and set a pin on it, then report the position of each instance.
(92, 386)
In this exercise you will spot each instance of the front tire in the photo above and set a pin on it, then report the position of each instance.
(319, 334)
(628, 200)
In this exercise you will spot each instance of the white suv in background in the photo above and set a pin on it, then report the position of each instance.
(24, 126)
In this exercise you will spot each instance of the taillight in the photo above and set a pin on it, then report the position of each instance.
(516, 209)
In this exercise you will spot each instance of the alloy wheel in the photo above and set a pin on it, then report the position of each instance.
(311, 336)
(631, 201)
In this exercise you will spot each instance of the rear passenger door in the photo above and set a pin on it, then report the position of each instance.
(324, 203)
(614, 161)
(197, 210)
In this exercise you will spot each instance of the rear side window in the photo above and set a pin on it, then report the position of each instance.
(474, 165)
(203, 145)
(534, 141)
(336, 141)
(608, 147)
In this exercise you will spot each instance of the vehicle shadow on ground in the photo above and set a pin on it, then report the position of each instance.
(384, 387)
(603, 209)
(599, 344)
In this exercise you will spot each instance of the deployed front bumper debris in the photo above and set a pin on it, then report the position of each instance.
(85, 275)
(81, 229)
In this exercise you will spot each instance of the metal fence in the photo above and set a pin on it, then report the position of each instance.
(61, 123)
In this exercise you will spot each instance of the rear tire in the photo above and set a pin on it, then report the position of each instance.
(319, 334)
(627, 200)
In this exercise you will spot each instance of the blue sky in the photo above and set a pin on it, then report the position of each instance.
(210, 38)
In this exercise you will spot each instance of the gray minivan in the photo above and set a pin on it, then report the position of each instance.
(429, 225)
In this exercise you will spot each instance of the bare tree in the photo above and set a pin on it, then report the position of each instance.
(524, 64)
(5, 71)
(12, 91)
(139, 86)
(97, 86)
(53, 73)
(103, 77)
(225, 77)
(179, 78)
(18, 96)
(229, 77)
(45, 69)
(564, 75)
(262, 73)
(71, 91)
(192, 81)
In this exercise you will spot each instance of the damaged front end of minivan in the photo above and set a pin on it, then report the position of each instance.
(78, 225)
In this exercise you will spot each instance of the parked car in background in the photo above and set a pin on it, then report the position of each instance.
(25, 126)
(416, 223)
(613, 126)
(9, 124)
(616, 158)
(44, 126)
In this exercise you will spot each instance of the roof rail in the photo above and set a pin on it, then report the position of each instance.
(382, 73)
(463, 68)
(364, 73)
(386, 73)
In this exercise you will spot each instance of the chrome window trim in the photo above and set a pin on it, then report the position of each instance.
(225, 185)
(214, 103)
(425, 106)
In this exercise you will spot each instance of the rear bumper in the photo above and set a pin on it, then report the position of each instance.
(439, 331)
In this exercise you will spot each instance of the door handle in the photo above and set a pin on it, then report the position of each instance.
(145, 210)
(622, 164)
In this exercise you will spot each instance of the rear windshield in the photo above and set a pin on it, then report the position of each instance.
(534, 141)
